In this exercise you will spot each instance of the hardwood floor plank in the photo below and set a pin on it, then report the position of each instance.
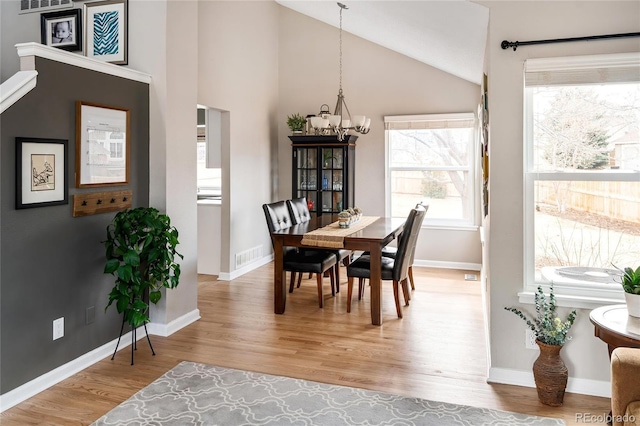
(437, 351)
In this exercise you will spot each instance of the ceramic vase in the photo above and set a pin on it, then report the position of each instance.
(633, 304)
(550, 374)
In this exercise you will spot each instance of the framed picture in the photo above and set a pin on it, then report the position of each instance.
(102, 145)
(41, 172)
(106, 31)
(62, 29)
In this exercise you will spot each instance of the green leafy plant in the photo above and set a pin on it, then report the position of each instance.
(546, 325)
(631, 280)
(296, 122)
(140, 250)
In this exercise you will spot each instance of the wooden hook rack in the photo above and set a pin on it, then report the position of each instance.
(101, 202)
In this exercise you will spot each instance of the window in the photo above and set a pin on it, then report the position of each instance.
(431, 158)
(582, 173)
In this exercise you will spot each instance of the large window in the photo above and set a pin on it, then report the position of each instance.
(431, 159)
(582, 172)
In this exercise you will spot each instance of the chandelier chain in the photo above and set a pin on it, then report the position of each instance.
(341, 8)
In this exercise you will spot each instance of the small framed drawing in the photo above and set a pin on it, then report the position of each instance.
(102, 145)
(41, 172)
(62, 29)
(106, 31)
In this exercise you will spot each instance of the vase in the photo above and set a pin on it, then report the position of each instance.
(550, 374)
(633, 304)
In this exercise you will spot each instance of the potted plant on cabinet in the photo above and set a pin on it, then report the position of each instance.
(549, 371)
(140, 250)
(631, 287)
(296, 123)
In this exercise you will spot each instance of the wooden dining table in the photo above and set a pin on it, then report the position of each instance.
(371, 238)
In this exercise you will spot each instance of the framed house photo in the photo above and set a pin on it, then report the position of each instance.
(106, 31)
(102, 145)
(62, 29)
(41, 172)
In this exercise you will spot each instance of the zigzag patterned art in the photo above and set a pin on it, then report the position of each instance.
(105, 33)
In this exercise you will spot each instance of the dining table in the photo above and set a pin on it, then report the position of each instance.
(372, 238)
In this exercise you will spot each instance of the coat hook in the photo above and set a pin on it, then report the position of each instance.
(84, 203)
(113, 200)
(99, 201)
(124, 199)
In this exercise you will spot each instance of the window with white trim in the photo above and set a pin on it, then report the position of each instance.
(430, 159)
(582, 173)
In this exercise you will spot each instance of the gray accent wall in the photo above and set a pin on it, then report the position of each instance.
(52, 263)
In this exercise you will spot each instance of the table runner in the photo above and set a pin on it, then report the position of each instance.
(332, 236)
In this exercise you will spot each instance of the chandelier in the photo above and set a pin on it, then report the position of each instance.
(339, 123)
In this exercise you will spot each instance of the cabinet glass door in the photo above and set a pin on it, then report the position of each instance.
(307, 175)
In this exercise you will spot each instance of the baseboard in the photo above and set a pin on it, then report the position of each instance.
(228, 276)
(37, 385)
(465, 266)
(507, 376)
(165, 330)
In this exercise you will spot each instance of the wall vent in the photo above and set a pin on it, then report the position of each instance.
(248, 256)
(28, 6)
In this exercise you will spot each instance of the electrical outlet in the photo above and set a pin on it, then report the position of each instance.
(58, 328)
(530, 339)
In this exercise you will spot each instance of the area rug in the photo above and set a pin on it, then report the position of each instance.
(200, 394)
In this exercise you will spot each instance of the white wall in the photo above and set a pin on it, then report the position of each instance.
(173, 93)
(238, 73)
(376, 82)
(586, 356)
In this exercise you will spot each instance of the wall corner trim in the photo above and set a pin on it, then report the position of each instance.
(54, 54)
(15, 87)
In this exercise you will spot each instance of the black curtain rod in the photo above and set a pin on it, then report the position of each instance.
(507, 44)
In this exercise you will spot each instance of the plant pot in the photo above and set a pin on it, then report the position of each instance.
(550, 374)
(633, 304)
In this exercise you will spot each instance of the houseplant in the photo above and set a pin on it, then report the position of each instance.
(296, 123)
(631, 287)
(549, 371)
(140, 250)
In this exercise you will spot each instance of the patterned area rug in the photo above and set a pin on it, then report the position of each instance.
(199, 394)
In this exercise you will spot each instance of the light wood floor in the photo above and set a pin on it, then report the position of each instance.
(436, 352)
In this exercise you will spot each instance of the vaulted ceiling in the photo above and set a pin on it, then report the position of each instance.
(449, 35)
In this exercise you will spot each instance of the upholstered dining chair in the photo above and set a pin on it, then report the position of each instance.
(391, 251)
(388, 251)
(299, 212)
(300, 261)
(393, 269)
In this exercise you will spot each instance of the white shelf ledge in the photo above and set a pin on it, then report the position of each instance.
(36, 49)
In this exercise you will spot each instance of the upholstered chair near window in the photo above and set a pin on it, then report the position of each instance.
(393, 269)
(299, 212)
(303, 261)
(625, 386)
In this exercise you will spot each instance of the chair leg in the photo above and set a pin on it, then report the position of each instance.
(405, 291)
(320, 293)
(293, 278)
(310, 275)
(349, 292)
(332, 277)
(337, 269)
(413, 287)
(397, 298)
(299, 279)
(360, 288)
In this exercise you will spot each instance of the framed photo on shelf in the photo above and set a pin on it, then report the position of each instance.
(102, 145)
(62, 29)
(106, 31)
(41, 172)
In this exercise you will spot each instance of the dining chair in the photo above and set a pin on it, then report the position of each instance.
(388, 251)
(299, 212)
(393, 269)
(300, 261)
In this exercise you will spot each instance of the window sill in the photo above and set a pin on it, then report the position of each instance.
(574, 301)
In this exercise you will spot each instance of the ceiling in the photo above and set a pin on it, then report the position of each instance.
(449, 35)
